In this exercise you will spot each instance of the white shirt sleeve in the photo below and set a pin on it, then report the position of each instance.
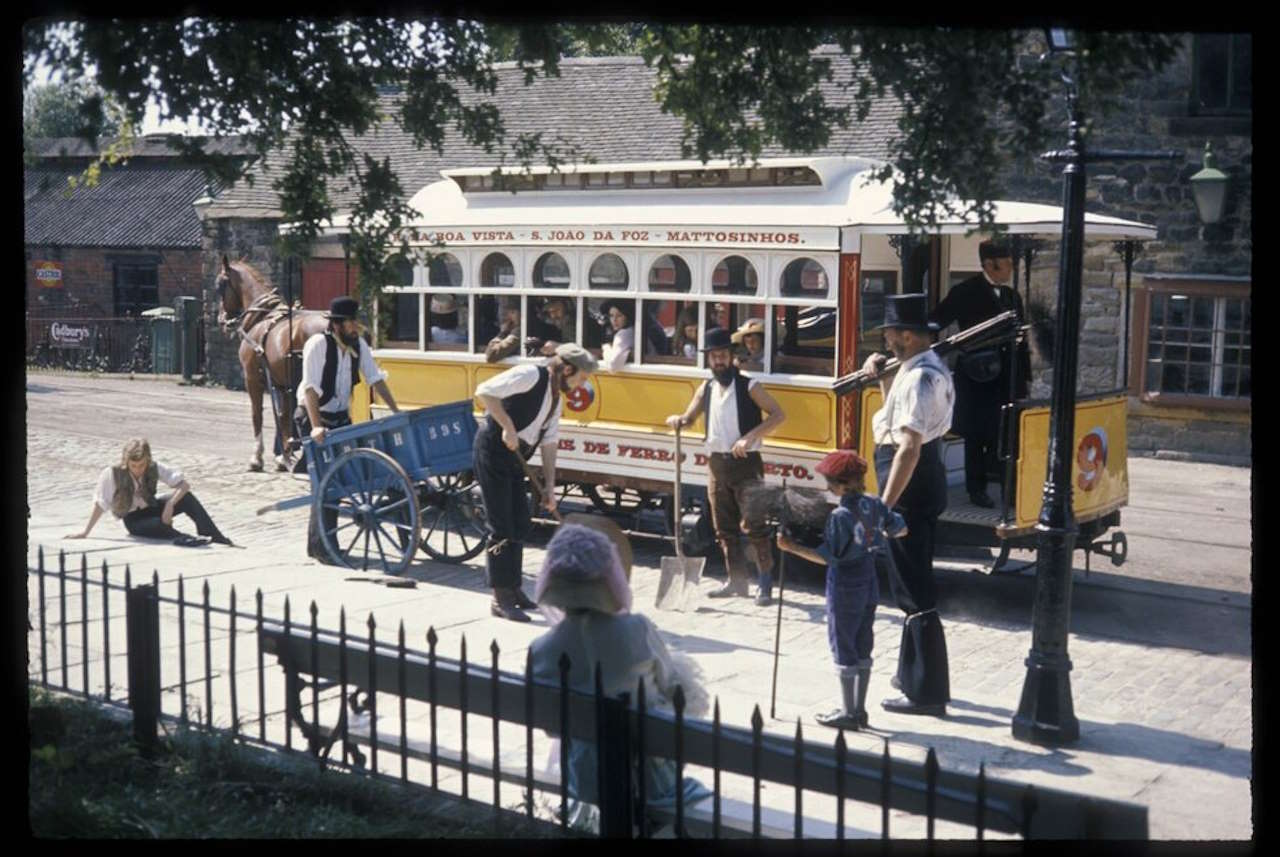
(517, 379)
(615, 353)
(170, 477)
(312, 367)
(106, 491)
(369, 370)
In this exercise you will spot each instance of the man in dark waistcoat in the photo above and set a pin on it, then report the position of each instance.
(982, 377)
(732, 405)
(332, 364)
(522, 406)
(908, 428)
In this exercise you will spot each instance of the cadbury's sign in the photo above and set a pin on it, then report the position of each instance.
(69, 336)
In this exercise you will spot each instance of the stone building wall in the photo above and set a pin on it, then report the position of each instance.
(88, 285)
(1155, 114)
(254, 241)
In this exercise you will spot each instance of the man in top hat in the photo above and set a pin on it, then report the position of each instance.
(734, 408)
(333, 363)
(908, 428)
(523, 416)
(982, 376)
(750, 335)
(444, 321)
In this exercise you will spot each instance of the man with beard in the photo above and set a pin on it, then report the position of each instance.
(523, 415)
(733, 408)
(333, 363)
(918, 402)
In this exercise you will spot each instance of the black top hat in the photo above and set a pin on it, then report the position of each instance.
(909, 312)
(994, 248)
(343, 308)
(717, 337)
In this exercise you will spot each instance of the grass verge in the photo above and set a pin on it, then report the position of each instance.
(89, 780)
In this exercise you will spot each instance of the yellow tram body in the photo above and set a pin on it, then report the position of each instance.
(816, 238)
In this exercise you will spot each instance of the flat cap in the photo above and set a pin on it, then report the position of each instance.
(575, 355)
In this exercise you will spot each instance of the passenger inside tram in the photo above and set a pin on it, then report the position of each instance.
(750, 337)
(444, 322)
(685, 341)
(621, 320)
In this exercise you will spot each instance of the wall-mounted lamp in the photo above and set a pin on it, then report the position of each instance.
(1210, 189)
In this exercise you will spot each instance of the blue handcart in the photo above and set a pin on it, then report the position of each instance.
(398, 483)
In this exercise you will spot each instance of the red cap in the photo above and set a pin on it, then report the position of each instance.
(843, 464)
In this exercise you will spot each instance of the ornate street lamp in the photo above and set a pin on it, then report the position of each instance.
(1210, 189)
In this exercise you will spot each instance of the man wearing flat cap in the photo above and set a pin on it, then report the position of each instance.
(982, 376)
(333, 363)
(733, 407)
(523, 416)
(908, 429)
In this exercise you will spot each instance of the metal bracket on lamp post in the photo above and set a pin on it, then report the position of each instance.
(1045, 712)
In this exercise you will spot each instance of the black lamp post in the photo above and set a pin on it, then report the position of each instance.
(1045, 712)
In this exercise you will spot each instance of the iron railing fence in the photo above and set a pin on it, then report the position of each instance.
(108, 344)
(269, 706)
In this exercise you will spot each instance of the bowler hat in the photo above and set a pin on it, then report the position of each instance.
(717, 337)
(343, 308)
(907, 312)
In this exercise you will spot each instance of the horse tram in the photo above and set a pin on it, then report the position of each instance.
(805, 249)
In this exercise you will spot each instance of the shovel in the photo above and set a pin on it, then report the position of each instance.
(679, 574)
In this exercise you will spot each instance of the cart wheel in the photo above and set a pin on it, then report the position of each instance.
(613, 500)
(372, 510)
(453, 519)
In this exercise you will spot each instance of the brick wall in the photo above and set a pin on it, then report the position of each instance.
(1155, 114)
(88, 284)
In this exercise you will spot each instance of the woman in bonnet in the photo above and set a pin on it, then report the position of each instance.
(583, 590)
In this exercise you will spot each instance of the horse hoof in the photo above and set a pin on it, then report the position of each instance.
(281, 465)
(255, 466)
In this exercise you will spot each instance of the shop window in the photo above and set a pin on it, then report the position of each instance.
(608, 272)
(875, 286)
(136, 285)
(804, 278)
(607, 323)
(670, 273)
(804, 340)
(1197, 344)
(496, 271)
(497, 316)
(551, 271)
(444, 271)
(734, 275)
(1222, 74)
(670, 332)
(446, 322)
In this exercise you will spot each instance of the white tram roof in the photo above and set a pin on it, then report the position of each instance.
(845, 196)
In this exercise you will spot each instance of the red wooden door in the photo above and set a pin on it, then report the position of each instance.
(325, 279)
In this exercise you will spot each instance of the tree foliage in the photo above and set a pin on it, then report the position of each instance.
(972, 101)
(68, 109)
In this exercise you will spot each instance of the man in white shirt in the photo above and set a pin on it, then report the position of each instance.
(333, 362)
(523, 416)
(129, 493)
(918, 404)
(733, 406)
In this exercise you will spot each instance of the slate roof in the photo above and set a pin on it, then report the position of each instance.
(605, 106)
(133, 205)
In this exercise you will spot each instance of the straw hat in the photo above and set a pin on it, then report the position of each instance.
(443, 304)
(751, 325)
(582, 571)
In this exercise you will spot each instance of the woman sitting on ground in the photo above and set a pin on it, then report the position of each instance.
(129, 493)
(583, 590)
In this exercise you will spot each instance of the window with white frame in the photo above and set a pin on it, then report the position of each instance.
(1198, 345)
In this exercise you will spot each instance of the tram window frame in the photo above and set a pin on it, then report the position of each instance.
(651, 264)
(462, 308)
(442, 257)
(628, 269)
(753, 266)
(479, 343)
(515, 258)
(669, 358)
(870, 338)
(782, 265)
(801, 362)
(402, 269)
(536, 278)
(586, 311)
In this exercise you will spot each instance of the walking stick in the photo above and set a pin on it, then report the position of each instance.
(777, 633)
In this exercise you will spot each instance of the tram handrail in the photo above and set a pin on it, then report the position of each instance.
(995, 329)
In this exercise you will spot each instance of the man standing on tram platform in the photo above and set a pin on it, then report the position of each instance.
(733, 406)
(982, 376)
(917, 410)
(523, 415)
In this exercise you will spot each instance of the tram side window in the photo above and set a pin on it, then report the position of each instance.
(398, 312)
(551, 271)
(496, 271)
(444, 271)
(670, 273)
(497, 316)
(738, 319)
(875, 286)
(734, 275)
(804, 340)
(804, 278)
(447, 323)
(608, 271)
(670, 332)
(608, 331)
(552, 319)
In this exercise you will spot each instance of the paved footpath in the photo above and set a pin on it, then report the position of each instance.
(1161, 647)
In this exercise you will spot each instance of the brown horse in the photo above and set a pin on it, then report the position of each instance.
(254, 311)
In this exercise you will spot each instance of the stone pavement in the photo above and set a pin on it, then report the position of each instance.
(1162, 679)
